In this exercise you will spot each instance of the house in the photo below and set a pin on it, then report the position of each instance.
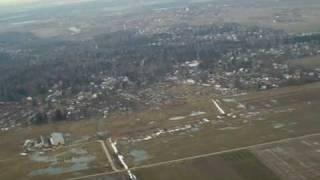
(57, 139)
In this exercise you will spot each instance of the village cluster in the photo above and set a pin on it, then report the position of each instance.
(229, 58)
(43, 143)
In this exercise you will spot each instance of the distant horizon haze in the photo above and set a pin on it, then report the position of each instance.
(31, 2)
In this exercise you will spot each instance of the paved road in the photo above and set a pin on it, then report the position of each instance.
(106, 151)
(201, 156)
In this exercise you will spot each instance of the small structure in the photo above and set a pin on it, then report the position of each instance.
(28, 145)
(43, 143)
(57, 139)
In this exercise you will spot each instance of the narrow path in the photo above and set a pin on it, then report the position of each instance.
(106, 151)
(201, 156)
(218, 107)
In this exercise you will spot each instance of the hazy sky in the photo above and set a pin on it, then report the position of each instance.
(21, 2)
(16, 2)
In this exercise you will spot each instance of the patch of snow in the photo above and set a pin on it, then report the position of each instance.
(177, 118)
(218, 107)
(190, 81)
(74, 30)
(23, 154)
(278, 126)
(228, 100)
(197, 113)
(229, 128)
(206, 120)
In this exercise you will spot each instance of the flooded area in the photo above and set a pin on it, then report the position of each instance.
(139, 156)
(72, 160)
(59, 170)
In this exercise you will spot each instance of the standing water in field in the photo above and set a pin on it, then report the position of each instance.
(139, 156)
(76, 159)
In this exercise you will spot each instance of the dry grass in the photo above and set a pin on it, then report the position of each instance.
(20, 168)
(302, 119)
(241, 165)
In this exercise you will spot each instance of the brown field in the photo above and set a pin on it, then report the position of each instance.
(310, 63)
(294, 160)
(240, 165)
(40, 166)
(115, 176)
(267, 116)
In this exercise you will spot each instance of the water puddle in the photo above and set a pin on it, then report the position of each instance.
(73, 160)
(59, 170)
(139, 156)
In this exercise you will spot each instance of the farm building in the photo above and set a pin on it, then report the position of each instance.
(57, 139)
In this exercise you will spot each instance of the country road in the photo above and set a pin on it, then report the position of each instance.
(200, 156)
(106, 151)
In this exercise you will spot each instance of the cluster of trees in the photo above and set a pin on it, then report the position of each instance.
(43, 117)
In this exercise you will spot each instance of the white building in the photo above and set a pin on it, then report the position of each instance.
(57, 139)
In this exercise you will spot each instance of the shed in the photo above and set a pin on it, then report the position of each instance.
(57, 139)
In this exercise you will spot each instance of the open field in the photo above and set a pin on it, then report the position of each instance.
(239, 165)
(295, 160)
(236, 155)
(268, 116)
(265, 16)
(310, 63)
(260, 117)
(62, 163)
(291, 159)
